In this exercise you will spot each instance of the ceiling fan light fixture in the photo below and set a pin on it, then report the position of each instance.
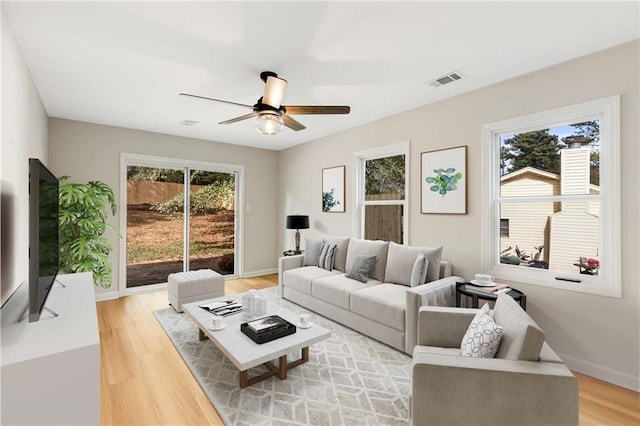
(269, 123)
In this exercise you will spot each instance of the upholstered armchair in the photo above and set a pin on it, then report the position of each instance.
(525, 384)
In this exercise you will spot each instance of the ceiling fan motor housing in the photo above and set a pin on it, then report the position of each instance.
(260, 107)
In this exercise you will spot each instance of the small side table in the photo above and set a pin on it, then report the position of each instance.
(292, 252)
(470, 290)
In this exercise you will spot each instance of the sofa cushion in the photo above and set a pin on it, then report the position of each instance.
(434, 256)
(369, 248)
(400, 262)
(361, 268)
(384, 303)
(483, 336)
(327, 257)
(336, 289)
(311, 251)
(342, 244)
(522, 339)
(300, 278)
(401, 259)
(435, 350)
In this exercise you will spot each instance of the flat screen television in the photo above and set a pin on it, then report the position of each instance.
(43, 236)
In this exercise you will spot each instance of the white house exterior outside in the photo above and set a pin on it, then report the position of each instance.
(568, 230)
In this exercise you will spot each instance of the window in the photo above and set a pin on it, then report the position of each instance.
(382, 193)
(554, 198)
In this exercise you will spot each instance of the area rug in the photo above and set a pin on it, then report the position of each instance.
(350, 379)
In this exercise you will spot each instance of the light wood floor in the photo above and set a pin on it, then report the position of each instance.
(145, 382)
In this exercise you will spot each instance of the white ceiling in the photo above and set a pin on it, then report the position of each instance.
(123, 64)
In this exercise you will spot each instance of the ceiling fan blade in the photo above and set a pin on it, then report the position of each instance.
(317, 109)
(216, 100)
(292, 124)
(274, 91)
(242, 117)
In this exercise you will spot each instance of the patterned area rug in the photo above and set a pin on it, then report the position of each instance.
(350, 379)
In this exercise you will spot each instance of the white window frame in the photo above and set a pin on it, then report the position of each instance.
(608, 281)
(360, 157)
(128, 159)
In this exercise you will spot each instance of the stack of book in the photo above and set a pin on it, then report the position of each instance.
(495, 289)
(223, 308)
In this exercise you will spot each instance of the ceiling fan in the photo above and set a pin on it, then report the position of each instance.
(270, 114)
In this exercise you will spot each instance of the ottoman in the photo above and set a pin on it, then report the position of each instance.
(186, 287)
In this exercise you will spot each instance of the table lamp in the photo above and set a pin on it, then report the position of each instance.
(297, 222)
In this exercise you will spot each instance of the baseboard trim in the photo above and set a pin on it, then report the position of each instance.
(101, 297)
(603, 373)
(252, 274)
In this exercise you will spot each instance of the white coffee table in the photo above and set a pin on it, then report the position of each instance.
(244, 353)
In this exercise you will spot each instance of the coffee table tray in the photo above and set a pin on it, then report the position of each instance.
(268, 335)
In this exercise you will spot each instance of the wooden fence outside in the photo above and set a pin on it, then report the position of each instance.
(383, 222)
(150, 192)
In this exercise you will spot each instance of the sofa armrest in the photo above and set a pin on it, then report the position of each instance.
(284, 264)
(491, 391)
(442, 326)
(441, 292)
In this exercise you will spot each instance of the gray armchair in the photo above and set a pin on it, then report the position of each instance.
(526, 384)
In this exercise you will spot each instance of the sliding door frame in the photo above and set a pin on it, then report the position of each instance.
(130, 159)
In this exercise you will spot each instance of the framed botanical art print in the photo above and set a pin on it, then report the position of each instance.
(333, 189)
(443, 181)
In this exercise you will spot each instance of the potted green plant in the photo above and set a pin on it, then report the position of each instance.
(83, 221)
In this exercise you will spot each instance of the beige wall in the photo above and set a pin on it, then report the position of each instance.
(24, 135)
(87, 151)
(596, 335)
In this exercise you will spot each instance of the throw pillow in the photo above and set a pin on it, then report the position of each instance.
(419, 271)
(342, 244)
(400, 261)
(362, 267)
(434, 256)
(483, 336)
(327, 256)
(311, 251)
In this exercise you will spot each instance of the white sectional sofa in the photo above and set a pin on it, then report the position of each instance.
(386, 306)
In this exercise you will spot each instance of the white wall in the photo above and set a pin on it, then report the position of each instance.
(87, 151)
(596, 335)
(24, 135)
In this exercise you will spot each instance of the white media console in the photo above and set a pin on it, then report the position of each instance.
(51, 368)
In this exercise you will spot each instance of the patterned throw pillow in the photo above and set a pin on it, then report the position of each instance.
(483, 336)
(419, 271)
(311, 251)
(327, 256)
(361, 268)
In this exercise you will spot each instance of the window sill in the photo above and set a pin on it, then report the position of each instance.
(589, 284)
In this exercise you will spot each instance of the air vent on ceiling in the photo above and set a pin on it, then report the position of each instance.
(445, 79)
(189, 123)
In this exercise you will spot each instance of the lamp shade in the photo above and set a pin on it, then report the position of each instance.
(297, 222)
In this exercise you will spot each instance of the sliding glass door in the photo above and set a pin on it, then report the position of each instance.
(179, 217)
(155, 228)
(212, 221)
